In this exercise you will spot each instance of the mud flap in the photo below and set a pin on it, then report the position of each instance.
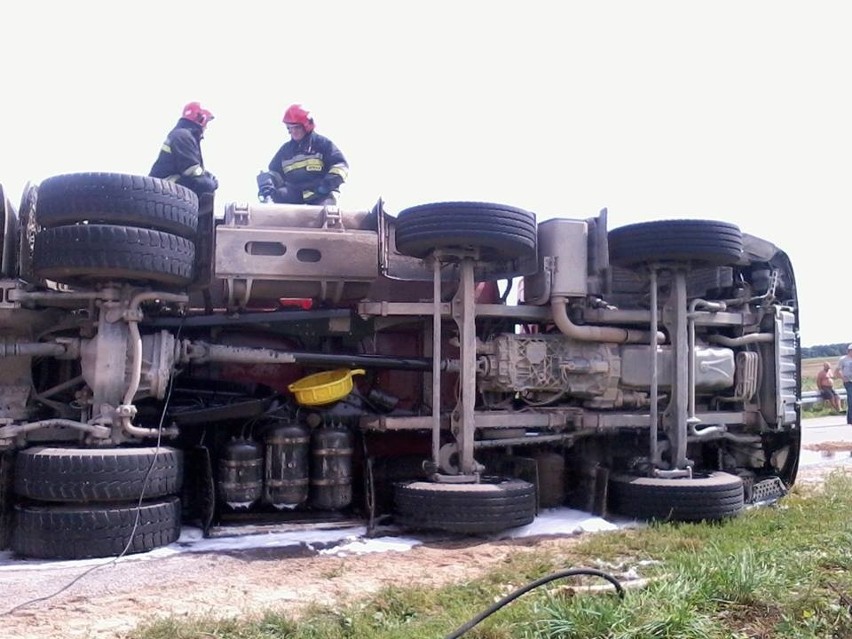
(6, 465)
(199, 495)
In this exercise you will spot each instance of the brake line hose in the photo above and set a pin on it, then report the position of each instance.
(571, 572)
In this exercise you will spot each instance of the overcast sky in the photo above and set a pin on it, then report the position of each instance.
(731, 110)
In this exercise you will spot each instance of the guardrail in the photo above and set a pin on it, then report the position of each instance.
(812, 397)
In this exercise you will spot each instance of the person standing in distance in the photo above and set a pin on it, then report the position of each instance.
(180, 155)
(825, 385)
(308, 169)
(844, 371)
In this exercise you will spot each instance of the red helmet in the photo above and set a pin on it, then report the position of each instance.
(195, 113)
(297, 114)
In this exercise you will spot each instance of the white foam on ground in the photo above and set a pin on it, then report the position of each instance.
(353, 540)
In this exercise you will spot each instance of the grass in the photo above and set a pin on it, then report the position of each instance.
(772, 573)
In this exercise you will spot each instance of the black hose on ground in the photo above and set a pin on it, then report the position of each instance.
(571, 572)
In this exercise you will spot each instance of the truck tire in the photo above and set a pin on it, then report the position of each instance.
(29, 228)
(500, 232)
(494, 505)
(116, 198)
(87, 530)
(707, 497)
(96, 253)
(95, 475)
(702, 241)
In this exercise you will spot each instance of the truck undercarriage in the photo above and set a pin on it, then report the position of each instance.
(458, 366)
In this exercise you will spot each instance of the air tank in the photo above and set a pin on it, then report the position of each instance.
(331, 468)
(563, 262)
(240, 473)
(285, 481)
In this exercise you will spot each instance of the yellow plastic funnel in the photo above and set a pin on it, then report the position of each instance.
(324, 388)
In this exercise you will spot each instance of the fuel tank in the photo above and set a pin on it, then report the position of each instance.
(331, 468)
(240, 478)
(285, 481)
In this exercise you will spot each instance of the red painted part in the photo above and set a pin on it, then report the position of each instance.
(393, 444)
(487, 293)
(408, 385)
(302, 303)
(275, 376)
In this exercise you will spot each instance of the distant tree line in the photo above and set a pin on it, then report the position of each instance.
(824, 350)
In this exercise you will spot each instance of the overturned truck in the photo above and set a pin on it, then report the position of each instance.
(458, 366)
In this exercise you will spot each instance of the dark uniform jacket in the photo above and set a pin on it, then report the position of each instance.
(180, 159)
(310, 170)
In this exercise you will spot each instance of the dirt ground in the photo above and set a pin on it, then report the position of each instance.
(112, 599)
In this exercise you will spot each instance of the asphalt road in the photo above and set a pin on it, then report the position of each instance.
(827, 434)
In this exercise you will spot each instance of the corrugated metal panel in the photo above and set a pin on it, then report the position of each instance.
(788, 365)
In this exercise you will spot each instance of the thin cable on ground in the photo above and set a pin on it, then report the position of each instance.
(113, 560)
(530, 586)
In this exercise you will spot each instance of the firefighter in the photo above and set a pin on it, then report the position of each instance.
(180, 156)
(308, 169)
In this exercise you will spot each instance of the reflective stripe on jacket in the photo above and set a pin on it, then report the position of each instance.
(313, 163)
(180, 158)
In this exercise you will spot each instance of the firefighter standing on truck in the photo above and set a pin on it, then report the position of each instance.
(180, 156)
(308, 169)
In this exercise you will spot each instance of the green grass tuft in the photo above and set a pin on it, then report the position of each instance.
(780, 572)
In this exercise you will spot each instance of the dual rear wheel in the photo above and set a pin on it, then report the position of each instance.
(86, 503)
(92, 228)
